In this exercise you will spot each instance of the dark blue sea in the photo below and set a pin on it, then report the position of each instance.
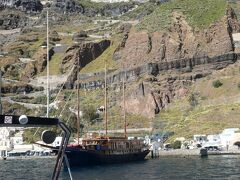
(212, 167)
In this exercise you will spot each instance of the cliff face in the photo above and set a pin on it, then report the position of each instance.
(84, 53)
(29, 5)
(181, 41)
(151, 87)
(19, 88)
(32, 68)
(90, 8)
(24, 5)
(161, 66)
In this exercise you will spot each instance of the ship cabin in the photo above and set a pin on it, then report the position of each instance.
(114, 145)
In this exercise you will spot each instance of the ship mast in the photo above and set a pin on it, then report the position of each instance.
(78, 102)
(106, 121)
(0, 92)
(48, 92)
(124, 108)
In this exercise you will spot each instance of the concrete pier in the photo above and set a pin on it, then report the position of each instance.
(192, 152)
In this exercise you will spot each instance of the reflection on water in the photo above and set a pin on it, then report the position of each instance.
(212, 167)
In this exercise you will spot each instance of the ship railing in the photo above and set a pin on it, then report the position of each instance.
(29, 121)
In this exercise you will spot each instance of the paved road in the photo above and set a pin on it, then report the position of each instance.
(12, 31)
(54, 81)
(27, 105)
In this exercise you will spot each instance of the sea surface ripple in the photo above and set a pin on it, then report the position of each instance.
(212, 167)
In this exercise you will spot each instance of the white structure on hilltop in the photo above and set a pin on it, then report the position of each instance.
(44, 2)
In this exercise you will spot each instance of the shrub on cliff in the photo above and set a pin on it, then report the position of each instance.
(89, 114)
(192, 99)
(217, 84)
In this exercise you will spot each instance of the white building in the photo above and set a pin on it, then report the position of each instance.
(5, 143)
(224, 140)
(8, 143)
(227, 136)
(200, 138)
(17, 139)
(213, 140)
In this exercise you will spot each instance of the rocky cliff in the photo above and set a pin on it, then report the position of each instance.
(84, 53)
(36, 66)
(19, 88)
(91, 9)
(12, 19)
(156, 84)
(29, 5)
(161, 66)
(180, 41)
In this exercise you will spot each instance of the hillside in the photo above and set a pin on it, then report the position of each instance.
(171, 53)
(207, 109)
(199, 14)
(193, 18)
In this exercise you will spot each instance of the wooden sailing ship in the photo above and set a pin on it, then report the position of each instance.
(106, 150)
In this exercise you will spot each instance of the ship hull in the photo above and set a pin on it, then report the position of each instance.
(81, 157)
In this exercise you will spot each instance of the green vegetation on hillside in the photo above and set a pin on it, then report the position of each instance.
(200, 120)
(199, 14)
(94, 99)
(26, 45)
(207, 110)
(98, 64)
(141, 11)
(217, 84)
(54, 64)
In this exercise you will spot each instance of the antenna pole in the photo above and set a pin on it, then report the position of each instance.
(78, 103)
(106, 121)
(48, 91)
(124, 107)
(0, 92)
